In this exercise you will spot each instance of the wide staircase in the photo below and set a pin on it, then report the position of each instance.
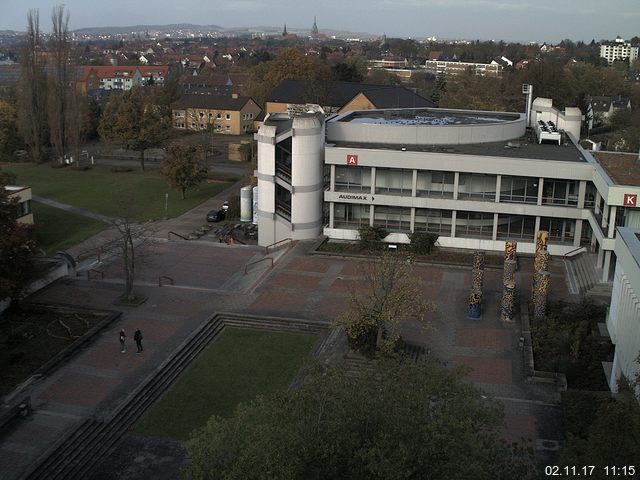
(78, 452)
(580, 267)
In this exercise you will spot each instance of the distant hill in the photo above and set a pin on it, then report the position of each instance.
(144, 28)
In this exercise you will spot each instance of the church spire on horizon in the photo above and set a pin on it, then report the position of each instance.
(314, 29)
(284, 32)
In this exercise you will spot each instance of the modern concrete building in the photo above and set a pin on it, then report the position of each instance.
(442, 67)
(474, 178)
(623, 319)
(618, 50)
(290, 177)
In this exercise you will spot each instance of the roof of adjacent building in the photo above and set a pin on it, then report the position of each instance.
(211, 102)
(340, 93)
(623, 168)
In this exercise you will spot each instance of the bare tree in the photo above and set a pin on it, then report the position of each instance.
(32, 99)
(390, 293)
(60, 98)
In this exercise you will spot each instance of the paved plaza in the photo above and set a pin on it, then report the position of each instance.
(209, 277)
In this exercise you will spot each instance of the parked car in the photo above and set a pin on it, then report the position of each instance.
(216, 215)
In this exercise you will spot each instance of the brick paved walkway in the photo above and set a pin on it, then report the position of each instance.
(210, 278)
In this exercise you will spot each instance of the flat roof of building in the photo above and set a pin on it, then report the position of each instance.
(623, 168)
(427, 116)
(522, 148)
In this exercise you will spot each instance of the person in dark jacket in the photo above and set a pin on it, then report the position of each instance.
(122, 337)
(138, 339)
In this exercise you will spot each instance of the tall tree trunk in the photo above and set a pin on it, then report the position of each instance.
(32, 92)
(142, 159)
(59, 114)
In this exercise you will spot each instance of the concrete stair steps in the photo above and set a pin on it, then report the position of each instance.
(585, 274)
(311, 327)
(95, 438)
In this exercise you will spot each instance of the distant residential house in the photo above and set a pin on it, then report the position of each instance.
(232, 115)
(211, 83)
(120, 78)
(295, 96)
(435, 55)
(601, 108)
(23, 197)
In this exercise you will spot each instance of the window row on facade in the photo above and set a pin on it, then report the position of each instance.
(470, 186)
(442, 222)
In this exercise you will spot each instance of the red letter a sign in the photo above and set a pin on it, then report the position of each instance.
(352, 159)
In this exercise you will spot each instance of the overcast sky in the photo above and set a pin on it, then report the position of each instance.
(511, 20)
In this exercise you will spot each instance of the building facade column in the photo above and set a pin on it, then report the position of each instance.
(332, 180)
(453, 223)
(373, 181)
(414, 184)
(577, 235)
(540, 188)
(606, 266)
(498, 187)
(456, 184)
(331, 214)
(612, 221)
(412, 225)
(582, 193)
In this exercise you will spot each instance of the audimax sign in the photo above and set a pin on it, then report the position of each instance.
(350, 196)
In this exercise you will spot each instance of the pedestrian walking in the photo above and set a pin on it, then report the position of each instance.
(122, 338)
(138, 338)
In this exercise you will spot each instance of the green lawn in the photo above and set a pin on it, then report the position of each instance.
(138, 195)
(236, 367)
(57, 229)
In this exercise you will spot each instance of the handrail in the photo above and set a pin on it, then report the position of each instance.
(257, 261)
(99, 272)
(266, 249)
(176, 234)
(165, 277)
(564, 257)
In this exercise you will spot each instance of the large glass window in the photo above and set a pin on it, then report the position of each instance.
(353, 179)
(394, 181)
(350, 215)
(516, 226)
(283, 158)
(433, 221)
(474, 225)
(393, 219)
(477, 186)
(560, 230)
(283, 202)
(560, 192)
(519, 189)
(590, 196)
(435, 184)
